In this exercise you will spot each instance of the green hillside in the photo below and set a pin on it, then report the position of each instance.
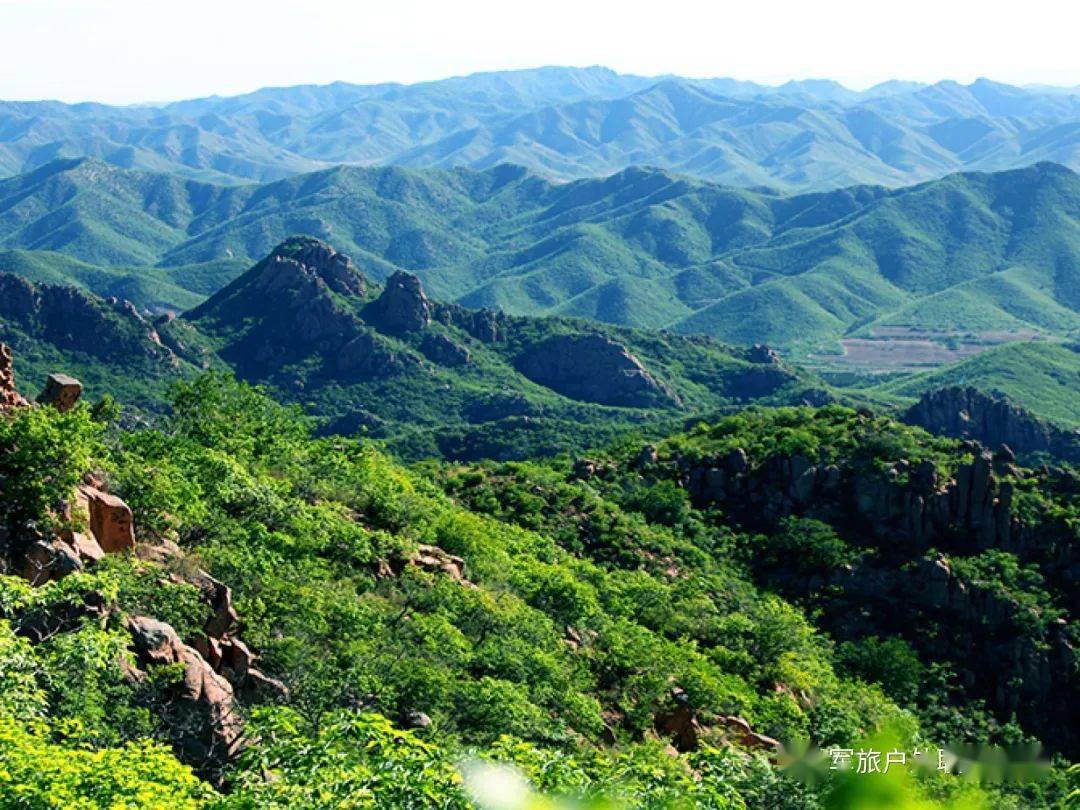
(970, 253)
(630, 630)
(432, 379)
(1044, 378)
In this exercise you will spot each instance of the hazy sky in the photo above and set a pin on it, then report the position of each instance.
(144, 50)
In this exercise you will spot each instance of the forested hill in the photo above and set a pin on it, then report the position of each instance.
(568, 123)
(971, 253)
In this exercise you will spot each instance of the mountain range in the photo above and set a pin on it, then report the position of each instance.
(974, 253)
(567, 123)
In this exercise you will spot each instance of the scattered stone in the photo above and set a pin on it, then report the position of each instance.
(415, 719)
(680, 723)
(433, 558)
(747, 737)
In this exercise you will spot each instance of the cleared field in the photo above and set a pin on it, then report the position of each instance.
(903, 349)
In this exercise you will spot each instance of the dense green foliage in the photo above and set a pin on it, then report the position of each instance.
(584, 603)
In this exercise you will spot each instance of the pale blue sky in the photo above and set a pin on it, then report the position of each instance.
(125, 51)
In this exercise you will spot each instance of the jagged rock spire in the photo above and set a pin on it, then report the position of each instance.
(402, 306)
(9, 394)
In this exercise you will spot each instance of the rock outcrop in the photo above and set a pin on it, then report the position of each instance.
(402, 306)
(911, 508)
(968, 413)
(205, 720)
(72, 319)
(593, 368)
(925, 511)
(442, 350)
(9, 393)
(301, 300)
(429, 558)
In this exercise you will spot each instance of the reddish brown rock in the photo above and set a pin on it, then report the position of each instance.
(739, 729)
(680, 724)
(9, 395)
(109, 519)
(211, 726)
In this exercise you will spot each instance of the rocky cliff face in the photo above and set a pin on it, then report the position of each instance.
(74, 320)
(968, 413)
(593, 368)
(301, 300)
(905, 510)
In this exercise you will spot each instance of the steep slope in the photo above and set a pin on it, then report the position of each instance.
(302, 622)
(569, 123)
(107, 343)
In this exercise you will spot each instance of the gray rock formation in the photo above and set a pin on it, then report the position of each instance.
(335, 269)
(72, 319)
(968, 413)
(402, 306)
(442, 350)
(593, 368)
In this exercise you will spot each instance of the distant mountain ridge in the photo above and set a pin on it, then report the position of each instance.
(569, 123)
(970, 252)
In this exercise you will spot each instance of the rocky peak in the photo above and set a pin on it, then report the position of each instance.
(307, 256)
(334, 269)
(402, 307)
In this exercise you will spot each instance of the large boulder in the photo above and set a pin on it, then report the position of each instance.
(593, 368)
(402, 307)
(61, 392)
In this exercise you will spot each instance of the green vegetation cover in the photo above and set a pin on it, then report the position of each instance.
(635, 626)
